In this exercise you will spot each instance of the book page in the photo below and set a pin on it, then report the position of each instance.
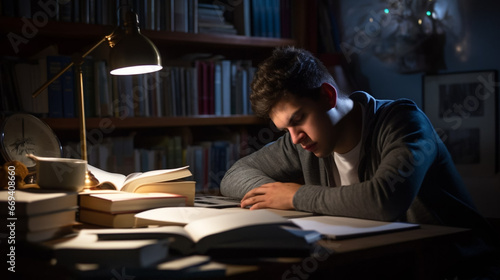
(179, 215)
(137, 233)
(344, 227)
(129, 182)
(104, 177)
(154, 176)
(138, 175)
(201, 228)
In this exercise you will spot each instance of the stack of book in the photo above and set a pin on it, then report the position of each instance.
(117, 198)
(211, 19)
(37, 215)
(117, 209)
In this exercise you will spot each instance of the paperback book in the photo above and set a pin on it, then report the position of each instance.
(241, 233)
(174, 181)
(134, 181)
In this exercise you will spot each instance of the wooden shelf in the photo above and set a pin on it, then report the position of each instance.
(68, 32)
(216, 39)
(152, 122)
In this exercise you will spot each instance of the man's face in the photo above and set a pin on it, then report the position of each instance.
(308, 123)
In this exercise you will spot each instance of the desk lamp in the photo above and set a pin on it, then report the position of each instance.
(131, 54)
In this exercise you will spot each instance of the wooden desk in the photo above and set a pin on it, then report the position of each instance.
(422, 253)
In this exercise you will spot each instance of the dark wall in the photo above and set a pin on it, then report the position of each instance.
(472, 42)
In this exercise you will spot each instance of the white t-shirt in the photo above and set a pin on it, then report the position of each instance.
(347, 163)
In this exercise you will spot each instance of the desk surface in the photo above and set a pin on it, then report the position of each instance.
(421, 253)
(412, 254)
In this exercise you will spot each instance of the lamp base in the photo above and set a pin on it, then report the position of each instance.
(91, 181)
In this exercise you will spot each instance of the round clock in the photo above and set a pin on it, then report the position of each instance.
(26, 134)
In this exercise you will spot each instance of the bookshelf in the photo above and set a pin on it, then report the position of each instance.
(245, 131)
(70, 36)
(178, 140)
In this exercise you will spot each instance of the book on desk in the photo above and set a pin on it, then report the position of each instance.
(332, 227)
(117, 209)
(117, 197)
(239, 234)
(175, 180)
(39, 215)
(134, 181)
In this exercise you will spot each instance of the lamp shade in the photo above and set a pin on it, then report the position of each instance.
(133, 52)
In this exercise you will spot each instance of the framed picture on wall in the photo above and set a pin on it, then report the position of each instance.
(463, 108)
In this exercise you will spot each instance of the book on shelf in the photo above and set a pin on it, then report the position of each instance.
(234, 234)
(134, 181)
(266, 18)
(55, 89)
(120, 202)
(103, 90)
(9, 96)
(87, 248)
(212, 18)
(203, 85)
(26, 83)
(68, 89)
(241, 17)
(61, 93)
(172, 15)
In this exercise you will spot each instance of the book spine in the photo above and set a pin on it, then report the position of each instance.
(68, 89)
(54, 66)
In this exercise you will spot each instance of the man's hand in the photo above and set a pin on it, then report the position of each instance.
(275, 195)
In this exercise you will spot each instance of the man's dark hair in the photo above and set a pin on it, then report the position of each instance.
(288, 72)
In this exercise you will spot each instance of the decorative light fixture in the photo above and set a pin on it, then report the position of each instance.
(409, 34)
(131, 54)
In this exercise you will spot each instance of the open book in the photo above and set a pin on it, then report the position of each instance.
(181, 216)
(162, 180)
(255, 233)
(343, 227)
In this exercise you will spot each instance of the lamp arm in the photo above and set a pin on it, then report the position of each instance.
(74, 60)
(77, 60)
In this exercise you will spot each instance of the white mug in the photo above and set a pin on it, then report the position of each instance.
(60, 173)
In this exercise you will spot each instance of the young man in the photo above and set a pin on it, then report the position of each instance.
(346, 155)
